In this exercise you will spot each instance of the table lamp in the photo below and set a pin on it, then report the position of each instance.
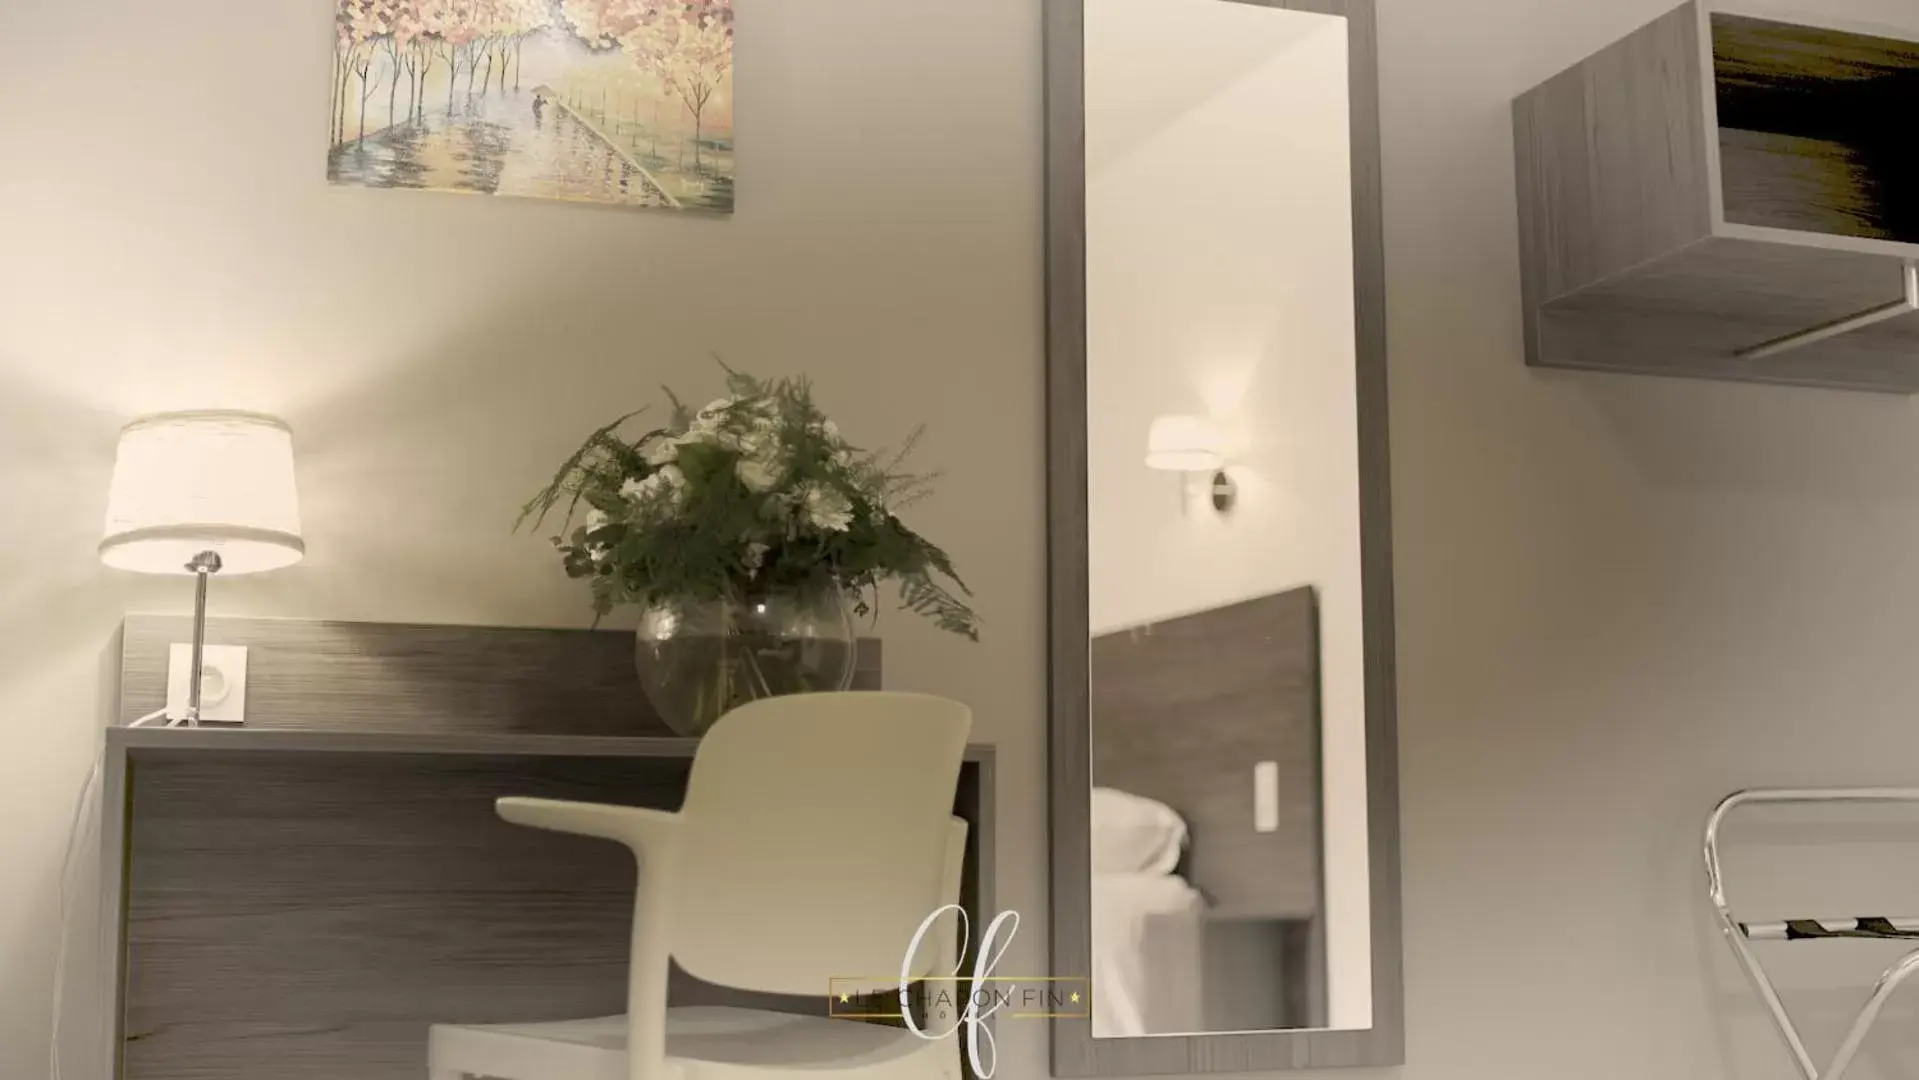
(203, 493)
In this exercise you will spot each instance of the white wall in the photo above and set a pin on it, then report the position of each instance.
(1219, 282)
(1619, 597)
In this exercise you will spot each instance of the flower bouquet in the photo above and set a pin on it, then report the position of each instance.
(749, 534)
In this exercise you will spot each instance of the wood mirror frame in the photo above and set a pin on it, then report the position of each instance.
(1075, 1052)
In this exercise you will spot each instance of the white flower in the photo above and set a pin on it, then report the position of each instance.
(828, 509)
(664, 486)
(711, 416)
(748, 426)
(705, 432)
(596, 520)
(759, 441)
(660, 450)
(702, 436)
(760, 474)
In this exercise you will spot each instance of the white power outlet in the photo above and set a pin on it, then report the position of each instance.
(223, 689)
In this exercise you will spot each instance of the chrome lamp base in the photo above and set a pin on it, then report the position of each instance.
(203, 566)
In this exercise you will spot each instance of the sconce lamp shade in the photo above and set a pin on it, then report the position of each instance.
(1184, 444)
(212, 481)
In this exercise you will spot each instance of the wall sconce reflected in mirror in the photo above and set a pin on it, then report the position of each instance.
(1191, 444)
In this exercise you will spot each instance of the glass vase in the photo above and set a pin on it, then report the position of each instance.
(700, 659)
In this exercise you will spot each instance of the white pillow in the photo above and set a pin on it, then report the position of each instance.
(1135, 835)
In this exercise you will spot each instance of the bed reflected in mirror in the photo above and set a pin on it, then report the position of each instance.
(1226, 702)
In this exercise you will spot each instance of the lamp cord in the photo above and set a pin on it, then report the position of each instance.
(66, 894)
(156, 715)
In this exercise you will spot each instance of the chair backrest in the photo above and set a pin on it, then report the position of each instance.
(814, 839)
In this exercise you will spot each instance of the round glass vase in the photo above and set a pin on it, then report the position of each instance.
(700, 659)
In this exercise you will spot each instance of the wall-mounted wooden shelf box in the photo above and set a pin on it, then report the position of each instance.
(1731, 196)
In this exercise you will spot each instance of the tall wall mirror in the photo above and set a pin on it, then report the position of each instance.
(1225, 855)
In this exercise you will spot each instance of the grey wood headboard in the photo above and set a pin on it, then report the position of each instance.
(1180, 712)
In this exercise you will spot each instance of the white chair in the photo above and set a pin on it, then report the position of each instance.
(815, 838)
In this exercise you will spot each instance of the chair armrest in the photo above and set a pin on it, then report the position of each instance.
(636, 827)
(653, 837)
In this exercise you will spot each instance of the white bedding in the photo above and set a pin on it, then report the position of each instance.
(1147, 947)
(1135, 835)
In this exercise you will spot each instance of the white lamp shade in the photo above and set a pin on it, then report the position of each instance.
(1184, 444)
(193, 482)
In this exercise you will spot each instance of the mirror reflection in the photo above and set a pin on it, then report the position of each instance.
(1227, 711)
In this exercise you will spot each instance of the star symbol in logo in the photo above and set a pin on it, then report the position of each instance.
(1075, 997)
(845, 998)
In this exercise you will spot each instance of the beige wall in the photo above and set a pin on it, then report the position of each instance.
(167, 238)
(1619, 597)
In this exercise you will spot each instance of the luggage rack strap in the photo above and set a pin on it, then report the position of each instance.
(1870, 927)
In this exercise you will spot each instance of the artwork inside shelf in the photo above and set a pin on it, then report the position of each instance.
(626, 102)
(1815, 128)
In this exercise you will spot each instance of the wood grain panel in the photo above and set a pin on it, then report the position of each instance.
(1253, 976)
(1710, 183)
(1180, 712)
(1612, 159)
(1069, 765)
(309, 918)
(1075, 1051)
(303, 896)
(313, 675)
(307, 914)
(1689, 313)
(1806, 140)
(1385, 1042)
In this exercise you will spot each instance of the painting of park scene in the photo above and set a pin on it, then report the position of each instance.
(626, 102)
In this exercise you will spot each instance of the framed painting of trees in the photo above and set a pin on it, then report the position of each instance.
(628, 102)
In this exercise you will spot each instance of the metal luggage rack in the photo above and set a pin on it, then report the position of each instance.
(1740, 935)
